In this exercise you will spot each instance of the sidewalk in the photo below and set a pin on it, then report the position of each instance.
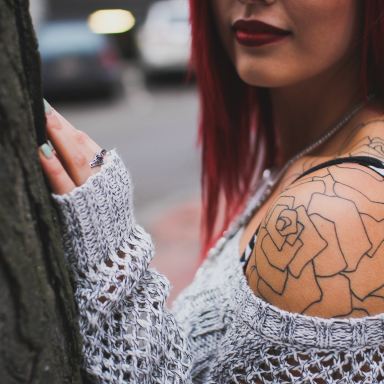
(175, 233)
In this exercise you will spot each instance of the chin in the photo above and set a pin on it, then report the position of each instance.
(264, 79)
(264, 76)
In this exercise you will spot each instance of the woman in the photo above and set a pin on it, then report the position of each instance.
(292, 136)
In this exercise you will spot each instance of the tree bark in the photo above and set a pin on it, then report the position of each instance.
(39, 339)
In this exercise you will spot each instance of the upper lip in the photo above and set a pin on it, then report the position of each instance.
(257, 26)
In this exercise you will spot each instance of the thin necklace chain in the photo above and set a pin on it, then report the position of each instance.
(258, 198)
(322, 139)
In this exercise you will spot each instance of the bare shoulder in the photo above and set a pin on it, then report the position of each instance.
(320, 247)
(366, 140)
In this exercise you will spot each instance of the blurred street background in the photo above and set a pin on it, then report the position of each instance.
(118, 70)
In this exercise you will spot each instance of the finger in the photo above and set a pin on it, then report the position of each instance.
(74, 148)
(58, 178)
(65, 122)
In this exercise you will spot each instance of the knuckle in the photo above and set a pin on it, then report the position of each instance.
(56, 170)
(81, 137)
(79, 160)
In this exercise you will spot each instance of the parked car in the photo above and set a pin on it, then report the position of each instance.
(164, 38)
(76, 60)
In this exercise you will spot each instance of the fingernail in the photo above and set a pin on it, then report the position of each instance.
(50, 145)
(47, 107)
(46, 151)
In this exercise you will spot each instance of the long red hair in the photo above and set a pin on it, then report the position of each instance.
(236, 131)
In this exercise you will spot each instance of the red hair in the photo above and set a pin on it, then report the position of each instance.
(236, 131)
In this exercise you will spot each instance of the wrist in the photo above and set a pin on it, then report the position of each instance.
(98, 214)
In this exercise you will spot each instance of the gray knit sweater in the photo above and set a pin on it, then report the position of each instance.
(218, 330)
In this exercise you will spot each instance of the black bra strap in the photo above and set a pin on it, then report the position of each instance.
(366, 161)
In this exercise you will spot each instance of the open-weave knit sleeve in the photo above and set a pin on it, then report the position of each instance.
(128, 334)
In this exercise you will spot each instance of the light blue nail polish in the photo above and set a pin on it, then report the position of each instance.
(47, 107)
(50, 145)
(46, 151)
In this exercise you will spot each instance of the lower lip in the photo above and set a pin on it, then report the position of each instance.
(250, 39)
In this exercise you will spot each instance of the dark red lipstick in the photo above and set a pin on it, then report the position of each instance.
(254, 33)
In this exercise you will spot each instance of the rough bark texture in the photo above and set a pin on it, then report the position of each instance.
(39, 340)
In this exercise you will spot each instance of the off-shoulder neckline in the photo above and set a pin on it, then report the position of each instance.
(289, 328)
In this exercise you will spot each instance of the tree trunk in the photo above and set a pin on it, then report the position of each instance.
(39, 339)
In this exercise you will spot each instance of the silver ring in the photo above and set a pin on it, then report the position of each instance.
(98, 160)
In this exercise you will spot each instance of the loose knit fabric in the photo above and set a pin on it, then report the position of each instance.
(218, 330)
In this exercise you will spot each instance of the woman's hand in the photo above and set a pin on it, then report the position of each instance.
(67, 165)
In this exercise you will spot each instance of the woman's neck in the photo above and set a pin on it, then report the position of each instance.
(303, 113)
